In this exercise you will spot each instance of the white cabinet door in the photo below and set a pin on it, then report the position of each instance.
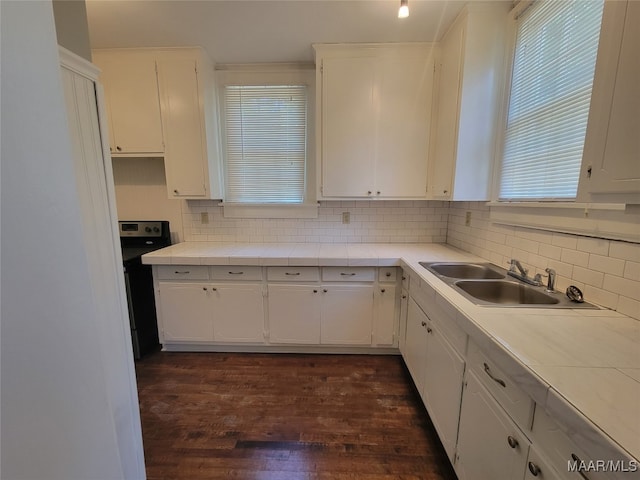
(348, 121)
(346, 315)
(385, 315)
(611, 162)
(375, 120)
(490, 445)
(133, 105)
(443, 387)
(538, 468)
(185, 162)
(415, 355)
(238, 312)
(402, 329)
(185, 312)
(294, 314)
(403, 104)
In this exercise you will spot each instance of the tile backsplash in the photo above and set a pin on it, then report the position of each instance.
(607, 271)
(370, 222)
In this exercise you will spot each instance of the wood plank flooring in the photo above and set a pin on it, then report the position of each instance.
(284, 416)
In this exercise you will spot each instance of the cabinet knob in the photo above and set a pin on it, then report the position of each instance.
(378, 192)
(404, 296)
(324, 290)
(175, 191)
(204, 288)
(369, 192)
(382, 290)
(445, 191)
(388, 274)
(424, 324)
(119, 148)
(315, 291)
(513, 443)
(429, 330)
(534, 469)
(214, 289)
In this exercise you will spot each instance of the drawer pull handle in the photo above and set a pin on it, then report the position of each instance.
(236, 273)
(347, 274)
(182, 272)
(293, 274)
(500, 382)
(576, 459)
(534, 469)
(513, 443)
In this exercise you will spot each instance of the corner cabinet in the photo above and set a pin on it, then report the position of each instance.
(611, 163)
(162, 104)
(374, 120)
(470, 72)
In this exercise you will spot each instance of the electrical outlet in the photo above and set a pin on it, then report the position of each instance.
(204, 217)
(467, 219)
(346, 217)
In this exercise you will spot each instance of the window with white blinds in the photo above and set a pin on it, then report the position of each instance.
(551, 82)
(265, 143)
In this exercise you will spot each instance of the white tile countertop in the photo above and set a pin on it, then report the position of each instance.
(581, 366)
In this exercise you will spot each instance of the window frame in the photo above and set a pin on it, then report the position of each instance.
(271, 75)
(602, 220)
(512, 32)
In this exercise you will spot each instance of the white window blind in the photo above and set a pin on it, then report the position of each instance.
(265, 133)
(552, 76)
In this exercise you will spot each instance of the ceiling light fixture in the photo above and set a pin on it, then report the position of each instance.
(403, 11)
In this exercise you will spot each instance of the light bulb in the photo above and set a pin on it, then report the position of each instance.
(403, 11)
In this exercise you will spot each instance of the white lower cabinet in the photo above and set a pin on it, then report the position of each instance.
(415, 346)
(238, 313)
(346, 315)
(538, 467)
(294, 314)
(185, 310)
(384, 320)
(490, 445)
(205, 312)
(443, 387)
(437, 371)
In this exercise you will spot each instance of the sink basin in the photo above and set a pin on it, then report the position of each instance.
(464, 270)
(502, 292)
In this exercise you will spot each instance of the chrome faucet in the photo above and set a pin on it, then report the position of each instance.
(521, 273)
(551, 280)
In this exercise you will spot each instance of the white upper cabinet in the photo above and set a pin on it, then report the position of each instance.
(611, 163)
(470, 79)
(133, 104)
(192, 160)
(374, 120)
(163, 103)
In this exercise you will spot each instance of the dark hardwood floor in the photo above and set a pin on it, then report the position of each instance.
(281, 416)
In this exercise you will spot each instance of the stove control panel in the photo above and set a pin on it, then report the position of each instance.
(141, 229)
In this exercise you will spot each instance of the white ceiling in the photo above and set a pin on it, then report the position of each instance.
(249, 31)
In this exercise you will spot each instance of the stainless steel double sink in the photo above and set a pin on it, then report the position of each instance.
(488, 285)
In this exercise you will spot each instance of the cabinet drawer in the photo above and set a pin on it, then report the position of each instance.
(232, 272)
(516, 403)
(562, 452)
(387, 274)
(297, 274)
(183, 272)
(348, 274)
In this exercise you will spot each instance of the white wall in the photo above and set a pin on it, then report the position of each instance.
(57, 419)
(607, 271)
(141, 193)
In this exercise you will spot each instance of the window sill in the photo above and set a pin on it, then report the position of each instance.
(235, 210)
(606, 220)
